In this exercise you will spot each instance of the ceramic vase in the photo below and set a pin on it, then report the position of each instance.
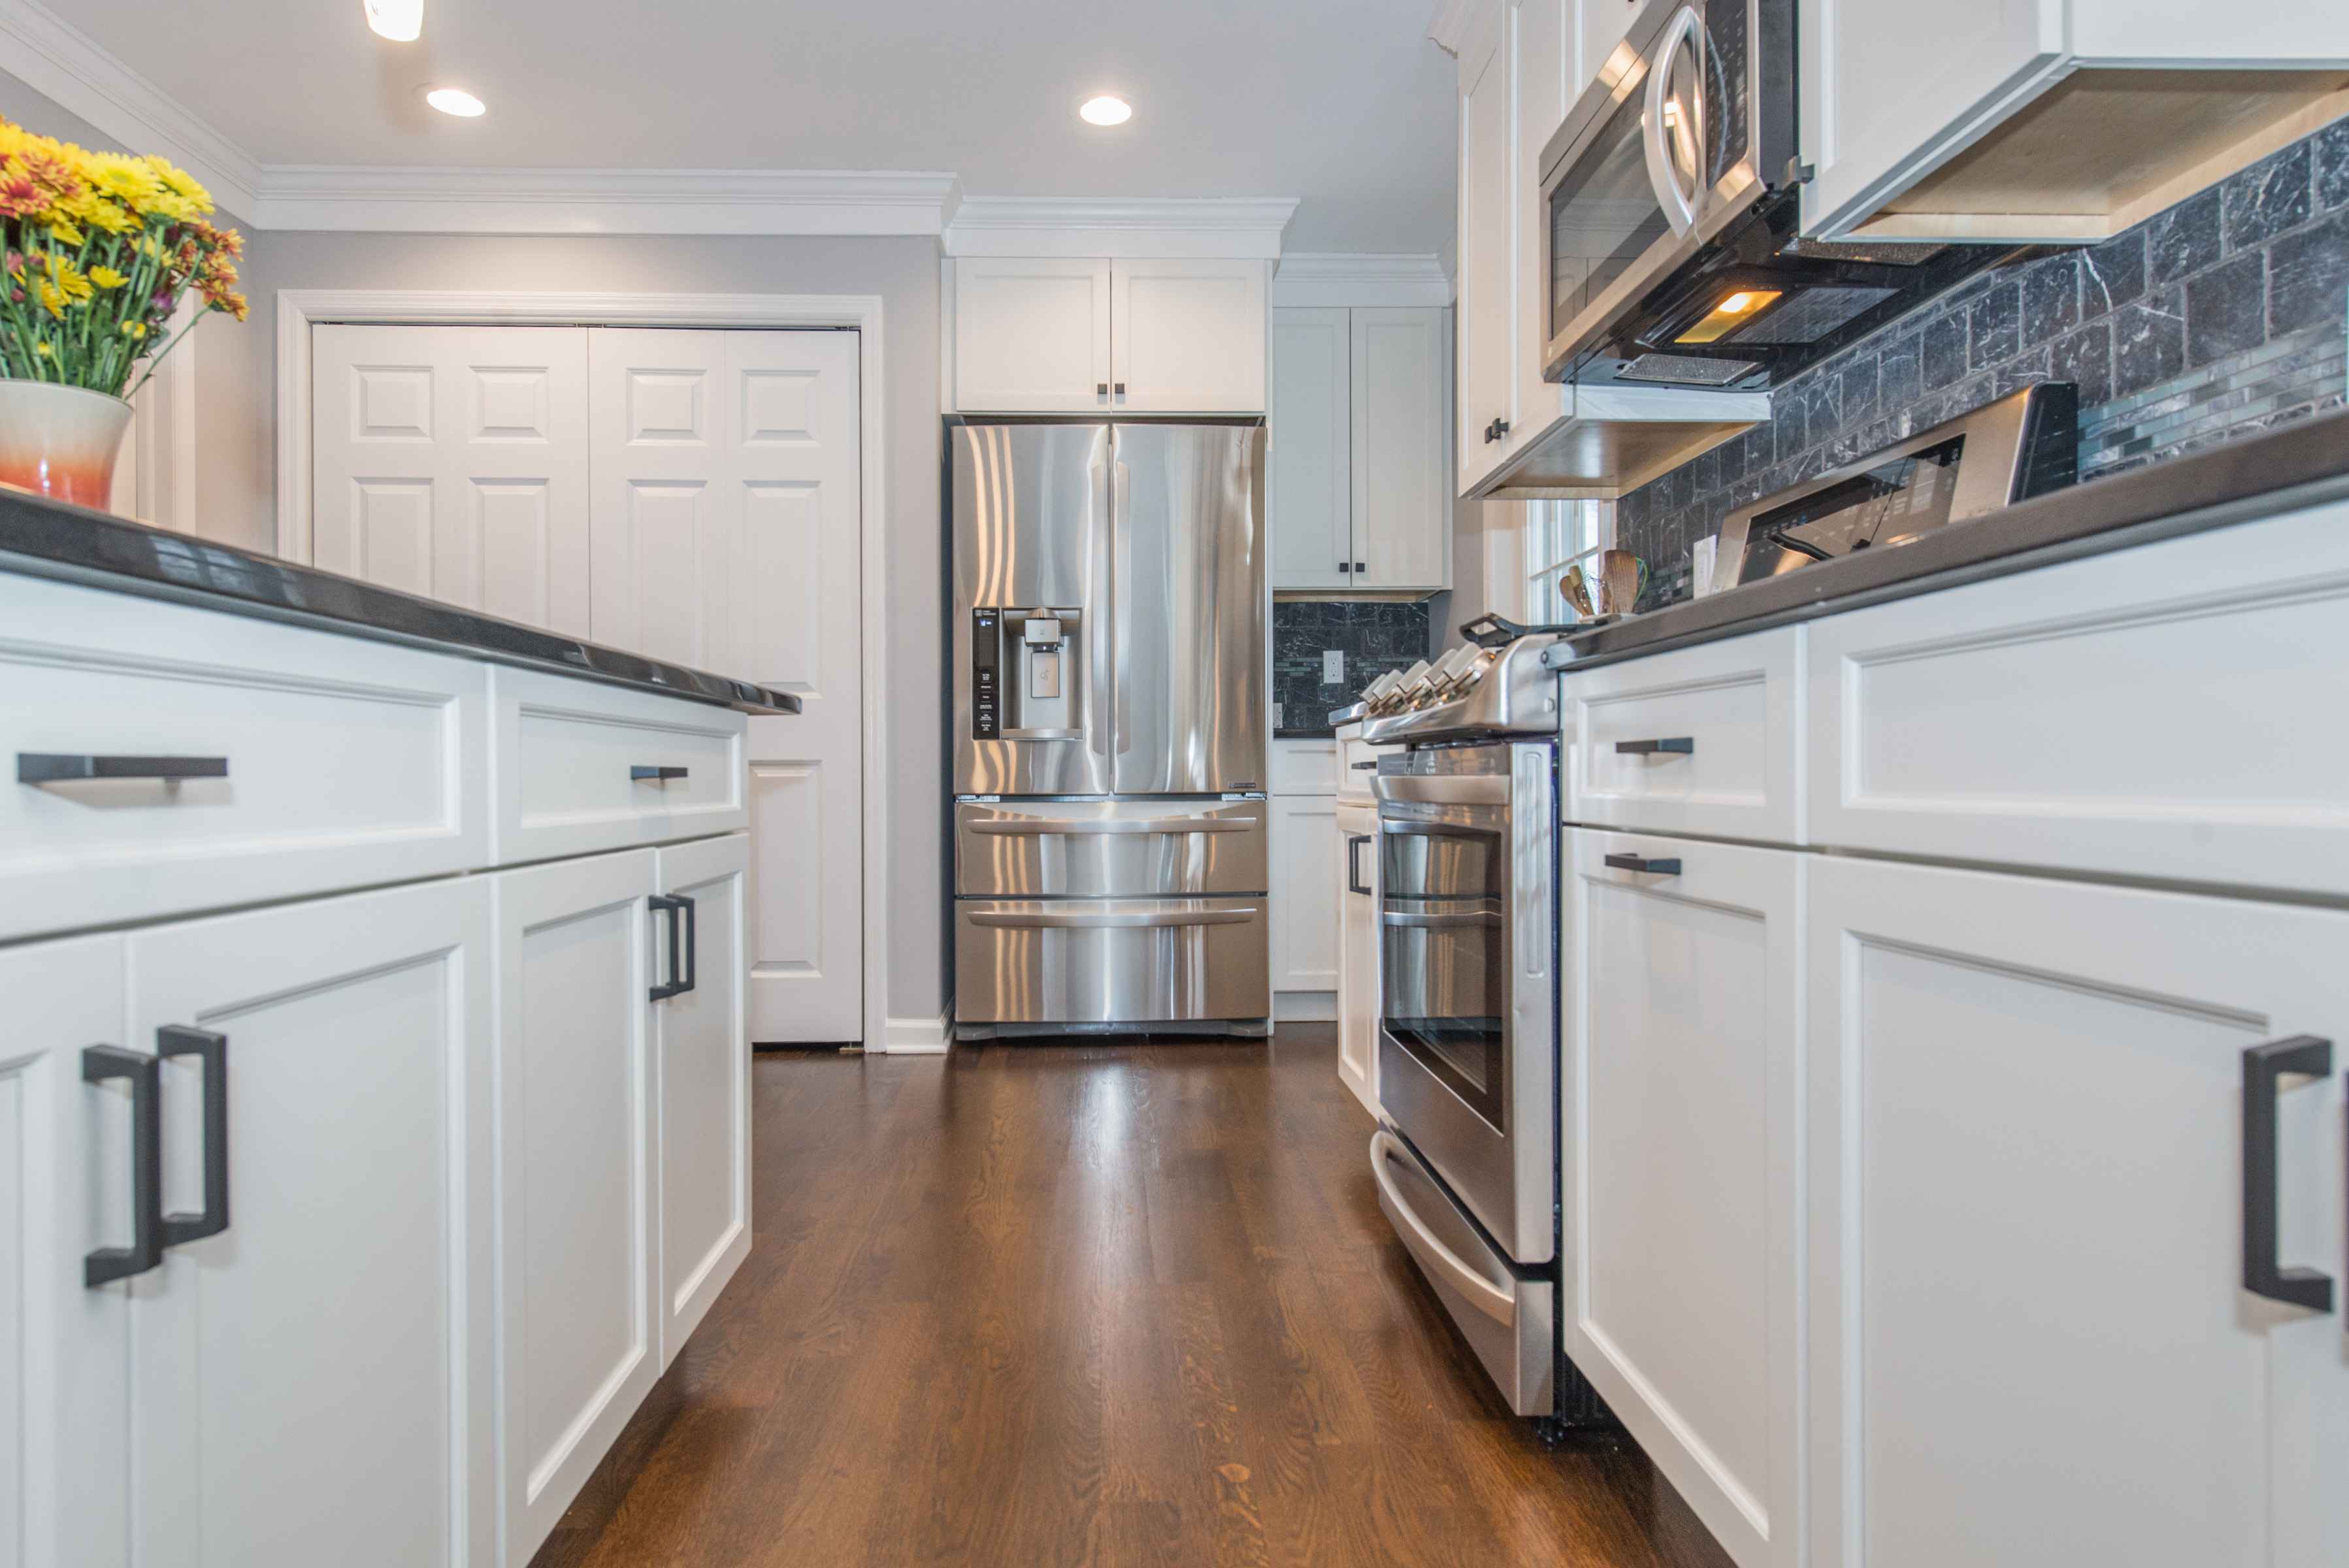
(61, 441)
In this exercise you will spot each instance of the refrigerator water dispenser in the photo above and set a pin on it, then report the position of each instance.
(1027, 674)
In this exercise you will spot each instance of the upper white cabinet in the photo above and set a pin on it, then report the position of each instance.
(2050, 119)
(1486, 240)
(1060, 334)
(1360, 494)
(1031, 335)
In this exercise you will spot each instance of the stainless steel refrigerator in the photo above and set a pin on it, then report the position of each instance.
(1109, 678)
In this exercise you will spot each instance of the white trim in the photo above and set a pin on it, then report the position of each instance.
(603, 201)
(299, 309)
(1244, 228)
(1304, 1006)
(57, 60)
(1332, 279)
(1448, 27)
(918, 1036)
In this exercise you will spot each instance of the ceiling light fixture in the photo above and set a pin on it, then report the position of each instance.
(1106, 109)
(456, 101)
(401, 21)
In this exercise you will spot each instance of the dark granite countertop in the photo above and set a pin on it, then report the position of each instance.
(42, 538)
(2299, 464)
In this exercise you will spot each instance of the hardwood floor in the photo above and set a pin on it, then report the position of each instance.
(1114, 1304)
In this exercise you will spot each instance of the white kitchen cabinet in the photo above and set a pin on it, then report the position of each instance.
(65, 1191)
(1031, 335)
(1359, 481)
(1486, 389)
(579, 1175)
(1305, 871)
(1358, 952)
(702, 1043)
(2030, 1341)
(1679, 1116)
(1603, 25)
(1187, 335)
(2055, 121)
(307, 1364)
(1309, 456)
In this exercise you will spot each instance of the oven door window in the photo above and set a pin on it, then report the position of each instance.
(1443, 971)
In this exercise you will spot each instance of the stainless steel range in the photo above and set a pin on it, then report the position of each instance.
(1467, 1167)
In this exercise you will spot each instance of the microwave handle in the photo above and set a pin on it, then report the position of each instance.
(1679, 205)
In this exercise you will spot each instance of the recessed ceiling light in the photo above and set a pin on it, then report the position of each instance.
(1106, 109)
(456, 101)
(400, 20)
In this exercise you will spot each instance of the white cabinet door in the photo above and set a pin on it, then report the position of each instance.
(579, 1180)
(1604, 23)
(66, 1188)
(2030, 1342)
(1487, 238)
(1358, 952)
(703, 1046)
(451, 461)
(1401, 495)
(310, 1383)
(1188, 337)
(1682, 1221)
(1031, 335)
(1307, 488)
(1305, 869)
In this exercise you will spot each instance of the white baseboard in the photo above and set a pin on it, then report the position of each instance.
(1304, 1006)
(917, 1037)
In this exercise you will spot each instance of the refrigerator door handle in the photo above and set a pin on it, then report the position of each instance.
(1101, 715)
(1075, 826)
(1114, 920)
(1121, 501)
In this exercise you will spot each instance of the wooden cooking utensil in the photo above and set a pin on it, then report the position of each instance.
(1619, 582)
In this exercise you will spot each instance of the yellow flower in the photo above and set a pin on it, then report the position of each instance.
(61, 228)
(171, 205)
(44, 350)
(107, 277)
(70, 280)
(100, 212)
(123, 177)
(181, 185)
(134, 329)
(53, 299)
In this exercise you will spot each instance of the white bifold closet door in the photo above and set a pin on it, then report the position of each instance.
(451, 461)
(726, 504)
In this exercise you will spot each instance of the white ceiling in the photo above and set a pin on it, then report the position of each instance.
(1342, 103)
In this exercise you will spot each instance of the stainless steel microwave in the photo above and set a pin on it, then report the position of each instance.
(1672, 250)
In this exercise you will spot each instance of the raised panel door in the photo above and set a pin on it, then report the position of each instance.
(1680, 1117)
(65, 1191)
(1486, 352)
(1305, 871)
(310, 1382)
(1188, 337)
(2031, 1342)
(451, 461)
(1031, 335)
(1310, 440)
(1402, 498)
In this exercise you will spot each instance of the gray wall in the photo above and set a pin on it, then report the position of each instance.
(236, 471)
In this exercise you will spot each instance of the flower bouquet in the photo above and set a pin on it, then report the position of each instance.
(100, 247)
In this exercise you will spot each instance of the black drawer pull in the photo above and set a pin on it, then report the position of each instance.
(178, 1040)
(106, 1264)
(1354, 882)
(2263, 1273)
(1369, 767)
(642, 775)
(1639, 864)
(1678, 745)
(682, 975)
(62, 768)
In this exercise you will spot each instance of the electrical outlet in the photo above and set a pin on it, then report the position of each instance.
(1333, 666)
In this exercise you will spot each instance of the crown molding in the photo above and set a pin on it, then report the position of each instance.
(1243, 227)
(1448, 28)
(604, 201)
(56, 59)
(1337, 279)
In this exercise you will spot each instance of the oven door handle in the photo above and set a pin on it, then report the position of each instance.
(1417, 919)
(1111, 920)
(1488, 1298)
(1679, 206)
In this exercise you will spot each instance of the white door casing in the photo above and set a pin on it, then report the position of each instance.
(451, 461)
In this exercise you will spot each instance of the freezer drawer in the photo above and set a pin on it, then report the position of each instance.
(1109, 849)
(1111, 961)
(1507, 1317)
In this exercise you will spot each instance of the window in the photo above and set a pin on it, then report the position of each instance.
(1559, 536)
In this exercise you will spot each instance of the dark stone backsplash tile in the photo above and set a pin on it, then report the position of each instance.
(2226, 315)
(1375, 635)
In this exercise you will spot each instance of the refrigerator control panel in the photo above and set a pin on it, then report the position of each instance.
(986, 671)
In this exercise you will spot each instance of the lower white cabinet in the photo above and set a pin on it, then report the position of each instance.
(1305, 871)
(1358, 952)
(1678, 1120)
(2031, 1338)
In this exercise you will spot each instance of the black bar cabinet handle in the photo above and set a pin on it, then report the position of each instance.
(1101, 389)
(211, 1050)
(1346, 566)
(1354, 882)
(2264, 1273)
(1369, 767)
(64, 767)
(1678, 745)
(1638, 864)
(106, 1264)
(641, 774)
(681, 927)
(1121, 388)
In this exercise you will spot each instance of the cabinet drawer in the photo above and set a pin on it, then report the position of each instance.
(2171, 711)
(583, 768)
(312, 761)
(1304, 767)
(1357, 761)
(1700, 741)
